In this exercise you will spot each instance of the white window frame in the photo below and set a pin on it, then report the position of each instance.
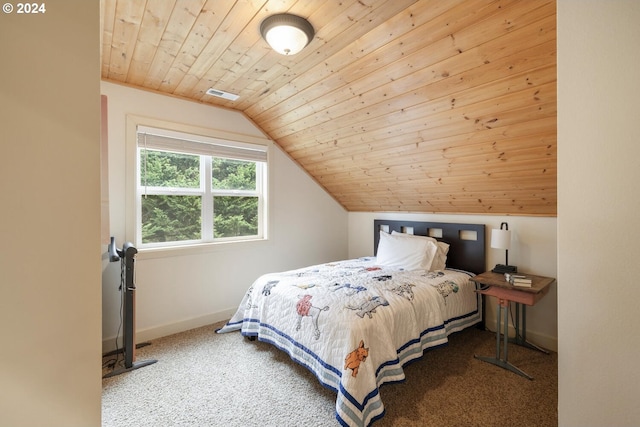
(196, 141)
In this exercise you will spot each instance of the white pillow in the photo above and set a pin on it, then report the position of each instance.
(439, 261)
(410, 254)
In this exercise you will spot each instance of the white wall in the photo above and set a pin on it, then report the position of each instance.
(533, 251)
(176, 292)
(598, 212)
(50, 217)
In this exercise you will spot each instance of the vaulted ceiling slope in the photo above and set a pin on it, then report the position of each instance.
(396, 105)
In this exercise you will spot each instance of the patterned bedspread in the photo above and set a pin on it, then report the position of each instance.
(355, 324)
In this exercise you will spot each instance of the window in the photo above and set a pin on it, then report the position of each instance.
(197, 189)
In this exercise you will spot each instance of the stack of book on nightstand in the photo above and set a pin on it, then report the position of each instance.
(518, 280)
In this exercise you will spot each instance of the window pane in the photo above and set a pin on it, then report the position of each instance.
(165, 169)
(235, 216)
(171, 218)
(233, 174)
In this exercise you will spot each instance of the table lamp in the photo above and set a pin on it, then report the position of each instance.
(501, 239)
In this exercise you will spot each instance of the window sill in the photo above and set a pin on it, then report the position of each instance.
(197, 249)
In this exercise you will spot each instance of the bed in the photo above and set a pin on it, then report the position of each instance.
(355, 323)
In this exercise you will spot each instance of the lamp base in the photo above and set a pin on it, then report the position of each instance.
(501, 268)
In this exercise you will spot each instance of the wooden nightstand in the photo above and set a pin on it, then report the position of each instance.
(495, 285)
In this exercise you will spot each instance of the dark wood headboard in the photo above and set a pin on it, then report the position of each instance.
(466, 241)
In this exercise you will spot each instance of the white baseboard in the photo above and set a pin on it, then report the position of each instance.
(108, 344)
(541, 340)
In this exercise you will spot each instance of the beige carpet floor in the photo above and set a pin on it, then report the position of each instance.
(209, 380)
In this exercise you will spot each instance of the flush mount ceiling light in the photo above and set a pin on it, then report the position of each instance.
(287, 34)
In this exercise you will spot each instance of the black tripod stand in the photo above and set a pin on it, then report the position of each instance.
(127, 256)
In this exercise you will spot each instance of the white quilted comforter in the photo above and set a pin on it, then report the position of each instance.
(355, 324)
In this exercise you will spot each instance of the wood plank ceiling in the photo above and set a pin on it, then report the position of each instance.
(395, 105)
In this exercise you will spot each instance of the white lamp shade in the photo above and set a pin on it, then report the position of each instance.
(500, 239)
(286, 40)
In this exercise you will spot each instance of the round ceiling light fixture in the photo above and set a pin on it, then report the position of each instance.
(287, 34)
